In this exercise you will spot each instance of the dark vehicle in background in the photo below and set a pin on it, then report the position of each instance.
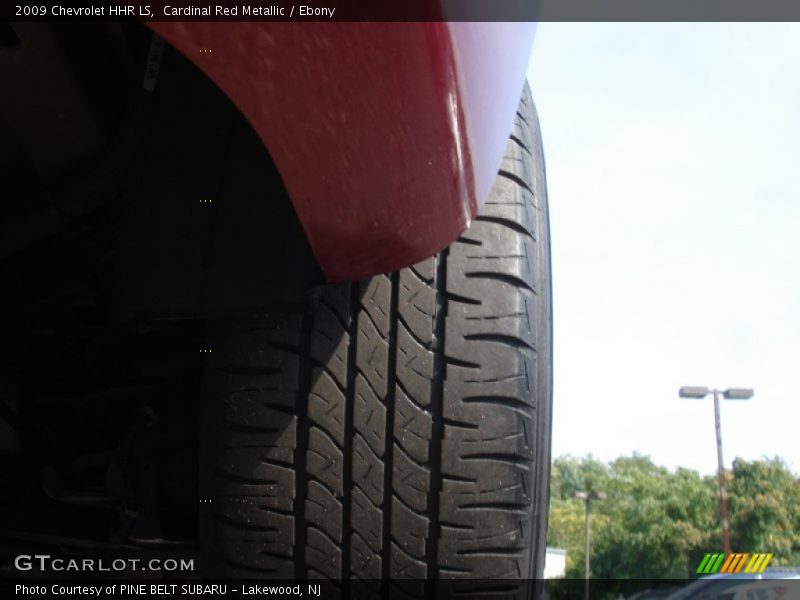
(276, 296)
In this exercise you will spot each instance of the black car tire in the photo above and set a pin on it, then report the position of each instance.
(396, 427)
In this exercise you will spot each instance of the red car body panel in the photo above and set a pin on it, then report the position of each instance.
(388, 136)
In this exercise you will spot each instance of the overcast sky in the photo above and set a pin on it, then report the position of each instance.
(673, 165)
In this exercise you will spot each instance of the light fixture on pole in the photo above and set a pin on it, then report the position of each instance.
(697, 392)
(587, 497)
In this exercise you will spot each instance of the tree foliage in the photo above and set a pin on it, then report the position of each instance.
(658, 523)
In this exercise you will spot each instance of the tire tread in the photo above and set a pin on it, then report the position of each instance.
(419, 445)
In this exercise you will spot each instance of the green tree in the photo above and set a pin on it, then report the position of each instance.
(764, 503)
(658, 523)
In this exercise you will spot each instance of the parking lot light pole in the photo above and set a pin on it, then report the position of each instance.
(587, 497)
(698, 392)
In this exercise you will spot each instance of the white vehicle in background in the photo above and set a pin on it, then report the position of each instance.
(724, 586)
(766, 589)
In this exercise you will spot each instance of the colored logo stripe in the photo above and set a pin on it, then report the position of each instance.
(710, 563)
(758, 563)
(742, 560)
(733, 563)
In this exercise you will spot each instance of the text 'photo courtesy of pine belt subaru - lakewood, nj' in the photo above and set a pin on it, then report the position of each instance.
(275, 299)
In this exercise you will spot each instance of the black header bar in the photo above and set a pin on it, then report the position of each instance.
(413, 10)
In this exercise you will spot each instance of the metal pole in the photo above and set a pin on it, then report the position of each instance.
(586, 571)
(723, 496)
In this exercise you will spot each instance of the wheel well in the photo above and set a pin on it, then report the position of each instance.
(197, 220)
